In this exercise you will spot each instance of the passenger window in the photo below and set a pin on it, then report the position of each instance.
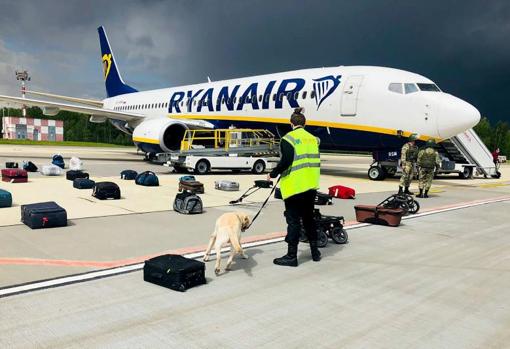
(266, 98)
(289, 96)
(304, 94)
(296, 95)
(254, 99)
(312, 94)
(410, 88)
(260, 98)
(274, 96)
(395, 87)
(280, 97)
(247, 99)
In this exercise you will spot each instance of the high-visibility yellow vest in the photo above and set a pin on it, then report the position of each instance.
(304, 173)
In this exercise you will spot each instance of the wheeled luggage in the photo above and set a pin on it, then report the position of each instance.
(75, 164)
(5, 198)
(174, 272)
(106, 190)
(147, 178)
(58, 160)
(83, 183)
(258, 184)
(327, 227)
(188, 203)
(192, 186)
(341, 192)
(43, 215)
(11, 164)
(14, 175)
(378, 215)
(51, 170)
(29, 166)
(128, 175)
(226, 185)
(71, 175)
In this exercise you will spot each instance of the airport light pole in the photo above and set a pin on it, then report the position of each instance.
(23, 77)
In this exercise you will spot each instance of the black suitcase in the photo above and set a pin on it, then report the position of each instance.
(106, 190)
(43, 215)
(83, 183)
(174, 271)
(11, 165)
(71, 175)
(128, 175)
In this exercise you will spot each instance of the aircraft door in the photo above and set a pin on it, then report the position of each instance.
(350, 94)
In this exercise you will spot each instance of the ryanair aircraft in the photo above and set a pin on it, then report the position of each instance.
(361, 108)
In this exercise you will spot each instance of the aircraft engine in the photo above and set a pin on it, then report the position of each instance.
(166, 133)
(50, 111)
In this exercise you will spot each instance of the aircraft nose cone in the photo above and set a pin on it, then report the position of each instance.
(456, 117)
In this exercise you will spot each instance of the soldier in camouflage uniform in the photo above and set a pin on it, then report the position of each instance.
(407, 160)
(428, 161)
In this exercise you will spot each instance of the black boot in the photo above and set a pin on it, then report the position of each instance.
(408, 192)
(290, 259)
(420, 195)
(426, 195)
(400, 190)
(316, 254)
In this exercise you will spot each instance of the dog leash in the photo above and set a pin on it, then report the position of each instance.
(263, 204)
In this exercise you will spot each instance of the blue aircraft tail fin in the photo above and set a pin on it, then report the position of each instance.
(114, 84)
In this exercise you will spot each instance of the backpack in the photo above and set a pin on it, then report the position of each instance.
(58, 160)
(128, 175)
(147, 178)
(323, 199)
(75, 164)
(106, 190)
(428, 159)
(29, 166)
(188, 203)
(341, 192)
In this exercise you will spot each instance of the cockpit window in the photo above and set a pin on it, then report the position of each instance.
(395, 87)
(428, 87)
(410, 88)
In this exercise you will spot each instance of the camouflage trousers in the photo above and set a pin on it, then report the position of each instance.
(426, 177)
(407, 174)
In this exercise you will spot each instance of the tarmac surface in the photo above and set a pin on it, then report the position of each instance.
(438, 280)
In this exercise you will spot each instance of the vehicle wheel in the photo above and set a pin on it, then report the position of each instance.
(259, 167)
(202, 167)
(339, 235)
(414, 206)
(376, 173)
(323, 238)
(467, 173)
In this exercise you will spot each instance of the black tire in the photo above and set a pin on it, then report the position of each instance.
(414, 206)
(467, 173)
(202, 167)
(376, 173)
(258, 167)
(339, 235)
(322, 239)
(405, 207)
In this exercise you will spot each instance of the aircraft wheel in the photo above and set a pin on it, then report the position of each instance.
(376, 173)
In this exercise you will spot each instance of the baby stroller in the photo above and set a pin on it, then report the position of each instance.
(327, 227)
(259, 184)
(404, 201)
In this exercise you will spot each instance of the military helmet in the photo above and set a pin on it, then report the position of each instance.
(413, 137)
(431, 142)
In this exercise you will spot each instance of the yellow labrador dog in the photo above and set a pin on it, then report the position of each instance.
(228, 229)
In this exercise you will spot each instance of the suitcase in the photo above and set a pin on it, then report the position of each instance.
(29, 166)
(341, 192)
(43, 215)
(11, 165)
(51, 170)
(71, 175)
(174, 272)
(128, 175)
(378, 215)
(5, 198)
(83, 183)
(188, 203)
(192, 186)
(226, 185)
(14, 175)
(106, 190)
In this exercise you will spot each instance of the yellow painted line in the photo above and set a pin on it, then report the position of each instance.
(338, 125)
(145, 140)
(493, 185)
(436, 191)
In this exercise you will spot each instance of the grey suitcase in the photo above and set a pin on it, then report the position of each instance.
(226, 185)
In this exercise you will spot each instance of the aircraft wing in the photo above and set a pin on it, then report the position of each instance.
(54, 106)
(91, 102)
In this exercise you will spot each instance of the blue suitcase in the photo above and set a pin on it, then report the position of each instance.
(83, 183)
(5, 198)
(43, 215)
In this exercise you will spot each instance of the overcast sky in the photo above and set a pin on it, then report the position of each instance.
(464, 46)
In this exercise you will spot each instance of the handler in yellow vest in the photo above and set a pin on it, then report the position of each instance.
(299, 168)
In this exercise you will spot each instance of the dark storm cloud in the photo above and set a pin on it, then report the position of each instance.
(462, 45)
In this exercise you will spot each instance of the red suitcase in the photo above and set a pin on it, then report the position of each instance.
(378, 215)
(341, 192)
(14, 175)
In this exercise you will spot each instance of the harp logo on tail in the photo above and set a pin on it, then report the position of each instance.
(107, 64)
(324, 87)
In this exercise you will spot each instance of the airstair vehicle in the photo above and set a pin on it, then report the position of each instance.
(228, 149)
(464, 154)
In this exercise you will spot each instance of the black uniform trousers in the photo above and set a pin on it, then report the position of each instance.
(299, 208)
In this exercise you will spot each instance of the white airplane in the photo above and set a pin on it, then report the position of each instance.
(359, 108)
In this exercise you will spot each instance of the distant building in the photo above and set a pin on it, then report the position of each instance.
(14, 127)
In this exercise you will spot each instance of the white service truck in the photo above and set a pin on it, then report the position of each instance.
(201, 164)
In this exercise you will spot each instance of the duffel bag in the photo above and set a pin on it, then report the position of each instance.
(5, 198)
(51, 170)
(187, 178)
(14, 175)
(83, 183)
(147, 178)
(323, 199)
(106, 190)
(43, 215)
(341, 192)
(192, 186)
(262, 183)
(75, 164)
(71, 175)
(174, 271)
(128, 175)
(58, 160)
(188, 203)
(29, 166)
(226, 185)
(11, 164)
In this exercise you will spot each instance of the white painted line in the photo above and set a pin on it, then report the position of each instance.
(39, 285)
